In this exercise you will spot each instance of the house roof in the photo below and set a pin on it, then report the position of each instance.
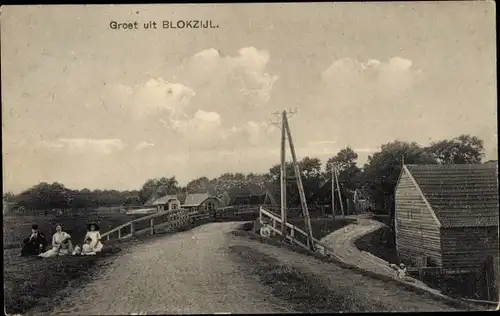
(248, 199)
(164, 199)
(460, 195)
(195, 199)
(132, 201)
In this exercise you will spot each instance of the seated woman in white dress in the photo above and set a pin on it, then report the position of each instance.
(61, 244)
(92, 241)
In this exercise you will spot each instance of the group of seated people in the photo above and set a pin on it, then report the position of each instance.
(36, 244)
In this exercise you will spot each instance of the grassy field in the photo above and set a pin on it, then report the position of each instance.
(29, 281)
(322, 226)
(379, 244)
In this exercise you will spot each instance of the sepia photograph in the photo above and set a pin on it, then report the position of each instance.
(328, 157)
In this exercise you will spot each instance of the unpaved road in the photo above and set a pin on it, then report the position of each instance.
(195, 272)
(185, 273)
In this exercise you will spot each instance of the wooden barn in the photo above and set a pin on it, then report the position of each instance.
(201, 202)
(446, 216)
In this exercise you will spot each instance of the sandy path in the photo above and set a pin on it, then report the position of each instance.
(185, 273)
(342, 242)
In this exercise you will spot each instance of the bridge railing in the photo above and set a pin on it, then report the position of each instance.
(162, 221)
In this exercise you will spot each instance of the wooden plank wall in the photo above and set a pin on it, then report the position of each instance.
(467, 247)
(417, 233)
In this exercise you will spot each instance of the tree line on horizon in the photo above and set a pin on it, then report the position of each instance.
(377, 178)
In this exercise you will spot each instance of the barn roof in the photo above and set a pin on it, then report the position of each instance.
(195, 199)
(164, 199)
(461, 195)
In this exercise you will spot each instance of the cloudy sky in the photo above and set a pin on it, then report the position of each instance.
(93, 107)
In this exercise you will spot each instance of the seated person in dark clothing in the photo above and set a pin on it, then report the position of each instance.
(35, 244)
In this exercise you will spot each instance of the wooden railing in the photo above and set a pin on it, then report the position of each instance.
(293, 233)
(167, 220)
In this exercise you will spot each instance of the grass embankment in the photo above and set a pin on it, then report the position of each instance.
(31, 281)
(246, 231)
(306, 292)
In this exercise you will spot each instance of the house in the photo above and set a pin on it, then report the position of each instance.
(166, 203)
(252, 200)
(361, 201)
(201, 202)
(447, 215)
(8, 207)
(323, 198)
(132, 203)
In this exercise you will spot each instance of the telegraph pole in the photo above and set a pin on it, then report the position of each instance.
(338, 190)
(333, 190)
(283, 175)
(305, 210)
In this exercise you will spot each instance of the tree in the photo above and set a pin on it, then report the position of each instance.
(9, 197)
(200, 185)
(153, 188)
(310, 169)
(45, 196)
(348, 172)
(382, 171)
(464, 149)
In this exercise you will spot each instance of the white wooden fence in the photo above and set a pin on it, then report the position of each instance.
(163, 221)
(293, 233)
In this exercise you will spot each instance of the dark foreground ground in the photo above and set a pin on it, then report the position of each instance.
(215, 268)
(31, 281)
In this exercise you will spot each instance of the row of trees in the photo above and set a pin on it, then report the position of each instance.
(377, 177)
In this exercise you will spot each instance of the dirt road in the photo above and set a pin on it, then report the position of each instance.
(197, 272)
(185, 273)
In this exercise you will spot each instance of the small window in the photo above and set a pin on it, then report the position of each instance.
(410, 214)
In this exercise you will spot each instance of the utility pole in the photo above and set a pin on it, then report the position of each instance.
(338, 190)
(283, 175)
(302, 195)
(333, 190)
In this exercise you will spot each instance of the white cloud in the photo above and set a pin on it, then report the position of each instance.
(155, 97)
(102, 146)
(212, 99)
(355, 95)
(144, 145)
(322, 142)
(231, 81)
(350, 78)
